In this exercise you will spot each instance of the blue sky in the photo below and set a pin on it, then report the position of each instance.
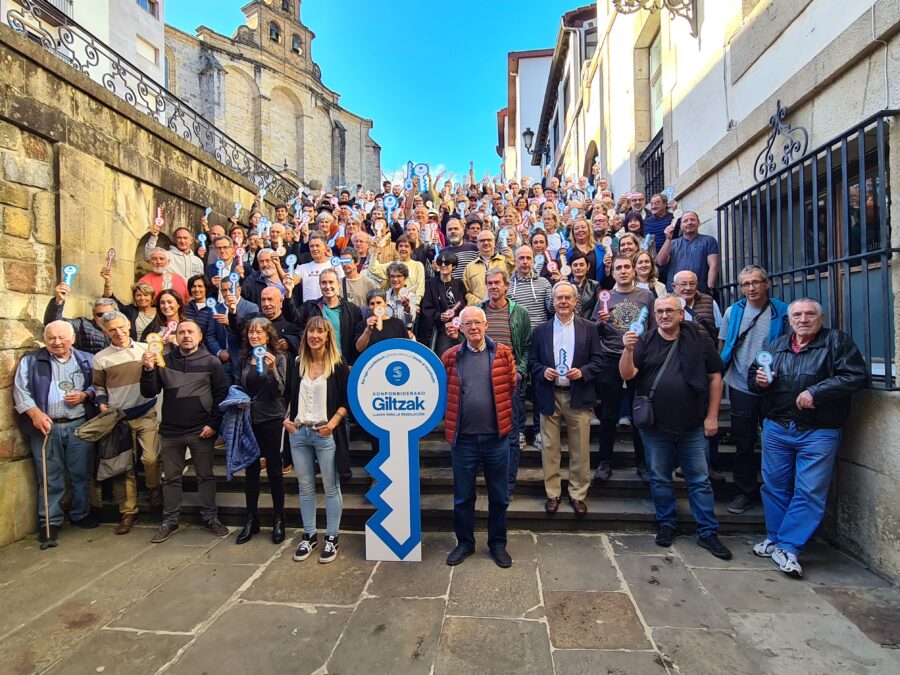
(432, 78)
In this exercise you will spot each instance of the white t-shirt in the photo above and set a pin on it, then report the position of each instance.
(309, 277)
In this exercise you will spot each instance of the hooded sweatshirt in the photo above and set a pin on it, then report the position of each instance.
(533, 294)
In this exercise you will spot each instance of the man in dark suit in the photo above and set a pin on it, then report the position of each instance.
(565, 361)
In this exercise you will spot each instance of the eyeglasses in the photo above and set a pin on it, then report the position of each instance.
(686, 284)
(753, 283)
(663, 312)
(442, 263)
(474, 322)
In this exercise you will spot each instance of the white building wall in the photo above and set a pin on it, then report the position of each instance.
(531, 85)
(119, 23)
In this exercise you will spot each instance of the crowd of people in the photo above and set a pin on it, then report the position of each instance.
(555, 293)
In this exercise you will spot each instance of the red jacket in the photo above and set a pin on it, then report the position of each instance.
(503, 381)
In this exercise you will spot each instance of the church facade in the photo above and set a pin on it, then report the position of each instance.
(262, 87)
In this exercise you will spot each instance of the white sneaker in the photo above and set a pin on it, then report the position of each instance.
(787, 563)
(307, 545)
(765, 548)
(624, 421)
(539, 442)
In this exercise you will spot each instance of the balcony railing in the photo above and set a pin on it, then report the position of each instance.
(80, 49)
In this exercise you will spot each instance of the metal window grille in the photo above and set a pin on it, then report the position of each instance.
(821, 228)
(653, 167)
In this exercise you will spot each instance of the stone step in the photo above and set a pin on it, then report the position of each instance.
(524, 513)
(624, 483)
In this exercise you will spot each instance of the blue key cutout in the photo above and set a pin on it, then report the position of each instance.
(397, 393)
(260, 353)
(69, 272)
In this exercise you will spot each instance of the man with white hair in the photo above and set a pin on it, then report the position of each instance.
(53, 395)
(481, 377)
(161, 277)
(802, 431)
(267, 277)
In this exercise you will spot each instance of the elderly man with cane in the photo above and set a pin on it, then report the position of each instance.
(54, 396)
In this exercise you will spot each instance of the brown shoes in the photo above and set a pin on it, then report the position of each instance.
(578, 506)
(127, 522)
(552, 505)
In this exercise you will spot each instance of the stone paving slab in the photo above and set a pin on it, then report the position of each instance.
(668, 594)
(93, 606)
(806, 643)
(340, 582)
(578, 661)
(390, 635)
(493, 647)
(572, 562)
(706, 652)
(757, 591)
(258, 638)
(635, 544)
(428, 579)
(829, 567)
(255, 552)
(583, 620)
(876, 612)
(109, 651)
(480, 588)
(187, 599)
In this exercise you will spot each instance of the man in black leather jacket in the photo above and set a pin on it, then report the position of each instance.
(814, 371)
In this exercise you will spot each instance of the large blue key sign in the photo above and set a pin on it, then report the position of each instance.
(398, 393)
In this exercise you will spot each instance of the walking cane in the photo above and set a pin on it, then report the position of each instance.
(49, 543)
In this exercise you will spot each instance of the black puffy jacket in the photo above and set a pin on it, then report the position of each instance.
(830, 367)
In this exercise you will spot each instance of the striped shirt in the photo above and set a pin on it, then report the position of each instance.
(464, 254)
(117, 379)
(498, 324)
(534, 294)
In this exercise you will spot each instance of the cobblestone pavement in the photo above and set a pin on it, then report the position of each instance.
(571, 603)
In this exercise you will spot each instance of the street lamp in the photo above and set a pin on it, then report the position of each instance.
(528, 139)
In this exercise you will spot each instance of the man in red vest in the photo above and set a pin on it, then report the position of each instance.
(481, 377)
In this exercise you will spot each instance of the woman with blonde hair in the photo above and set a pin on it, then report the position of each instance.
(315, 421)
(646, 274)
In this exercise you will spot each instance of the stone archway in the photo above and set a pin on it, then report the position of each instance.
(589, 156)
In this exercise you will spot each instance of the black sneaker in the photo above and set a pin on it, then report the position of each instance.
(86, 523)
(740, 504)
(329, 550)
(308, 544)
(666, 535)
(501, 557)
(714, 546)
(604, 471)
(458, 554)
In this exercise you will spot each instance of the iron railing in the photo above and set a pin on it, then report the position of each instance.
(80, 49)
(821, 228)
(653, 166)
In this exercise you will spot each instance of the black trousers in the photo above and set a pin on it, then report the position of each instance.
(745, 421)
(610, 392)
(268, 436)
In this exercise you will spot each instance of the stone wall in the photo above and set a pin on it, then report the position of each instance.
(80, 171)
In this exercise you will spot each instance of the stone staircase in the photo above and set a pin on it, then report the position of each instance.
(620, 504)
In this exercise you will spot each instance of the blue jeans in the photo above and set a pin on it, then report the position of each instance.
(518, 418)
(665, 451)
(65, 453)
(492, 453)
(307, 445)
(796, 469)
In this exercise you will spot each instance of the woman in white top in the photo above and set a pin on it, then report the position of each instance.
(645, 274)
(316, 411)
